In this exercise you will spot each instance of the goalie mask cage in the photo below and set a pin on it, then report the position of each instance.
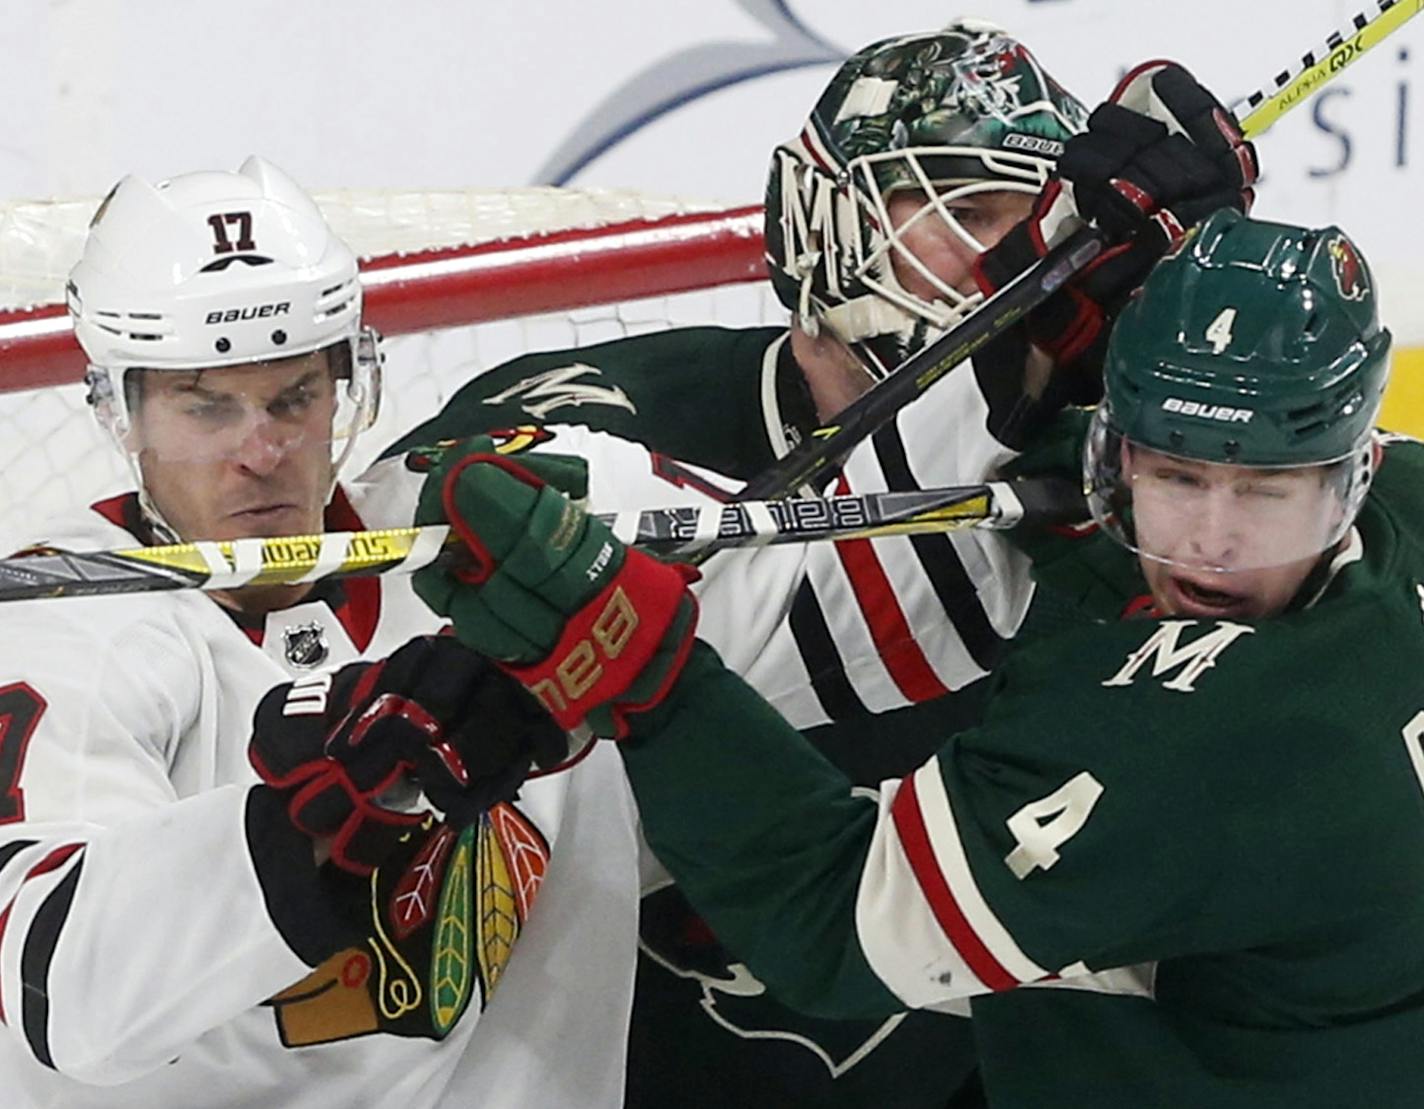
(458, 281)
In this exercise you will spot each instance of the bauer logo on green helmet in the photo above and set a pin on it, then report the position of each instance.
(1208, 411)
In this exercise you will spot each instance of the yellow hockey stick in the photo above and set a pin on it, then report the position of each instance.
(1342, 49)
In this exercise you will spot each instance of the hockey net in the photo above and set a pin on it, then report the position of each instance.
(458, 281)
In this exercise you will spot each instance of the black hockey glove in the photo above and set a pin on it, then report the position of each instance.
(346, 749)
(1157, 158)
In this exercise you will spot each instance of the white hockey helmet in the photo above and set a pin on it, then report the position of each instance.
(214, 269)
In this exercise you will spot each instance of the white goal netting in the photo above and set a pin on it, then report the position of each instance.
(458, 281)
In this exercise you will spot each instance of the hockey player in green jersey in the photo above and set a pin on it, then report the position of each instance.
(923, 150)
(1191, 836)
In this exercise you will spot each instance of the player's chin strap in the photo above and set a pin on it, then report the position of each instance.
(866, 317)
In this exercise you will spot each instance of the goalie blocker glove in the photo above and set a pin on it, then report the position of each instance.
(1158, 157)
(343, 748)
(595, 629)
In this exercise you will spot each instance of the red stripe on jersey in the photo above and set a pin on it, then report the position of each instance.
(53, 861)
(4, 920)
(910, 826)
(889, 629)
(115, 509)
(361, 610)
(1144, 605)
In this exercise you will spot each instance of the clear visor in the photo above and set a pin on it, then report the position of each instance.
(1218, 517)
(255, 414)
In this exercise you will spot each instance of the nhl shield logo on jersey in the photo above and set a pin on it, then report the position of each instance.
(1347, 268)
(305, 646)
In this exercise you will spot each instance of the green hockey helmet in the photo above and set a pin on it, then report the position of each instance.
(947, 114)
(1244, 379)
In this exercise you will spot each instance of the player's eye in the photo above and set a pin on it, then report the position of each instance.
(969, 217)
(292, 403)
(1265, 491)
(1181, 479)
(211, 410)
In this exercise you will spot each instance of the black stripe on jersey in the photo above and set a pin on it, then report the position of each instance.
(941, 562)
(10, 850)
(35, 960)
(823, 662)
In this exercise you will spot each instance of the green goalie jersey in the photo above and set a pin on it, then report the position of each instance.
(726, 398)
(1177, 864)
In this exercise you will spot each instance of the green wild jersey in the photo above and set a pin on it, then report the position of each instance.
(1232, 811)
(718, 397)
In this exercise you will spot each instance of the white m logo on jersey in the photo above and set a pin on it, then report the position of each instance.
(1194, 658)
(558, 388)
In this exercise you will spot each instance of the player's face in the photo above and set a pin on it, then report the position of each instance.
(238, 451)
(1217, 540)
(983, 218)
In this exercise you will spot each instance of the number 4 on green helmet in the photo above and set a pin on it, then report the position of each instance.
(1242, 387)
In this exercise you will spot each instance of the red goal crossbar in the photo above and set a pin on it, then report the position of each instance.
(452, 286)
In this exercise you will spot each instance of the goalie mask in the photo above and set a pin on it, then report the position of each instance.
(213, 270)
(941, 118)
(1242, 387)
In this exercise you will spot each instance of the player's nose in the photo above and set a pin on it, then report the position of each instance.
(261, 446)
(1218, 528)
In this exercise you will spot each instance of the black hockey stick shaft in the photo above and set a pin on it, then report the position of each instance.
(821, 452)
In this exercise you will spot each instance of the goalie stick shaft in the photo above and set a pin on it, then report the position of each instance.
(678, 531)
(826, 448)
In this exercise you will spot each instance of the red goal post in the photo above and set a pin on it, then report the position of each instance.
(457, 280)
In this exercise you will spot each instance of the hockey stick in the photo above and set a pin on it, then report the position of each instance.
(679, 532)
(297, 559)
(829, 446)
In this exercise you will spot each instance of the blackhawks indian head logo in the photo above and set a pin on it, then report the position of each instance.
(1348, 269)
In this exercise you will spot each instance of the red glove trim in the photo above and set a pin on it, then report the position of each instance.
(624, 709)
(484, 561)
(605, 646)
(1134, 73)
(1139, 198)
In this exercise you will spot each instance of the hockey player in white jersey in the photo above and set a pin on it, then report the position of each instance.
(171, 932)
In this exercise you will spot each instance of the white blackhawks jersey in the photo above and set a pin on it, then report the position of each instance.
(826, 631)
(141, 959)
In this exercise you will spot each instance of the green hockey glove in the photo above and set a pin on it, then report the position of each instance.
(592, 628)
